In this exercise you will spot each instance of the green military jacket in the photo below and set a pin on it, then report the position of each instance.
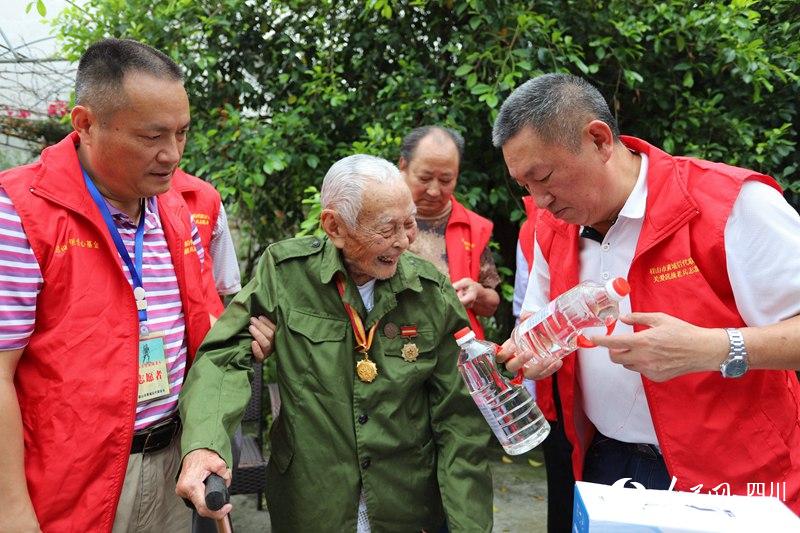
(413, 437)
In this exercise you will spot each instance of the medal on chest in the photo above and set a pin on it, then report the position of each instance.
(366, 369)
(410, 352)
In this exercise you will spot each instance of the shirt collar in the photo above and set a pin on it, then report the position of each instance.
(635, 204)
(150, 213)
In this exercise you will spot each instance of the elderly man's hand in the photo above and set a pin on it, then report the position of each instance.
(669, 347)
(263, 332)
(467, 291)
(197, 466)
(514, 360)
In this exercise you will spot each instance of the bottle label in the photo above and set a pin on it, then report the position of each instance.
(537, 318)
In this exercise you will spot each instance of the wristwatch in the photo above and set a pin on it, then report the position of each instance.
(736, 364)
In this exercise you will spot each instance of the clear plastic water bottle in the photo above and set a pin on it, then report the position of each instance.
(556, 330)
(512, 414)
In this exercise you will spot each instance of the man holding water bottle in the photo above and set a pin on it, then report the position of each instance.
(692, 388)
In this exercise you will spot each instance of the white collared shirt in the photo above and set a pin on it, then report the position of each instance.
(762, 245)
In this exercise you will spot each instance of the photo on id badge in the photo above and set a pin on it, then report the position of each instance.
(153, 375)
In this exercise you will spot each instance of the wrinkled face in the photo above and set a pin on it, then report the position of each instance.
(571, 185)
(432, 173)
(133, 151)
(384, 230)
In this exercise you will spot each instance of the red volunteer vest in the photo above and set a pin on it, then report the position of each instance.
(544, 386)
(466, 236)
(77, 379)
(527, 230)
(711, 430)
(204, 203)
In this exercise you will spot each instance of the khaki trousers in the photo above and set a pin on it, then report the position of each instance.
(148, 503)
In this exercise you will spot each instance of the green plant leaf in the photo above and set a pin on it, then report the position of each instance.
(463, 70)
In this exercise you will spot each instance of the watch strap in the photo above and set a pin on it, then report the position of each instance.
(736, 343)
(736, 364)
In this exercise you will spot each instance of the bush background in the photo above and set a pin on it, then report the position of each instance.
(281, 89)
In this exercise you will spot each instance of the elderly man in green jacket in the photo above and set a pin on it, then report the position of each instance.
(376, 430)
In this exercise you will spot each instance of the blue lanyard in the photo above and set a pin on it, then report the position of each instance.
(134, 269)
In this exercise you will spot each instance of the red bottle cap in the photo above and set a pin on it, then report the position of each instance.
(463, 331)
(621, 286)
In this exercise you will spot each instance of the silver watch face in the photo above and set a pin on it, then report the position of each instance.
(734, 368)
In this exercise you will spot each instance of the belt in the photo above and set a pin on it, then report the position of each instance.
(644, 450)
(156, 437)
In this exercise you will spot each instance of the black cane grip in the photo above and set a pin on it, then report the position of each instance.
(216, 492)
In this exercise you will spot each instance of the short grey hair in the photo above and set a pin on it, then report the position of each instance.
(104, 65)
(345, 182)
(415, 136)
(556, 107)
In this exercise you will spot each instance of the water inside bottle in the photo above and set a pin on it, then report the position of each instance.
(513, 415)
(553, 331)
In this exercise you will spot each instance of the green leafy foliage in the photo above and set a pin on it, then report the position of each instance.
(311, 224)
(41, 8)
(281, 89)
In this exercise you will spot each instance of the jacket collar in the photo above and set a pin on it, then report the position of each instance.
(60, 178)
(669, 204)
(181, 182)
(530, 206)
(332, 263)
(405, 277)
(458, 213)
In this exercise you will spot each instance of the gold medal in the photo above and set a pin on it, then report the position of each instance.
(366, 370)
(410, 352)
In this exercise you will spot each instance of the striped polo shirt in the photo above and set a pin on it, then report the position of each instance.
(21, 281)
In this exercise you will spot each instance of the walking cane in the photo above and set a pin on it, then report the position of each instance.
(217, 496)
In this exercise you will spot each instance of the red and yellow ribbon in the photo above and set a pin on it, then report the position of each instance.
(363, 338)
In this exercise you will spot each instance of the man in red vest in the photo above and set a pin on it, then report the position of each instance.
(693, 389)
(451, 236)
(102, 307)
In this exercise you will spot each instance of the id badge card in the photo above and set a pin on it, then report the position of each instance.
(153, 374)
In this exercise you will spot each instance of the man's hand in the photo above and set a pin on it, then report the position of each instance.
(263, 332)
(514, 360)
(669, 347)
(467, 291)
(482, 300)
(196, 467)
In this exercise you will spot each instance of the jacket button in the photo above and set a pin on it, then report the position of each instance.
(363, 419)
(315, 244)
(365, 463)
